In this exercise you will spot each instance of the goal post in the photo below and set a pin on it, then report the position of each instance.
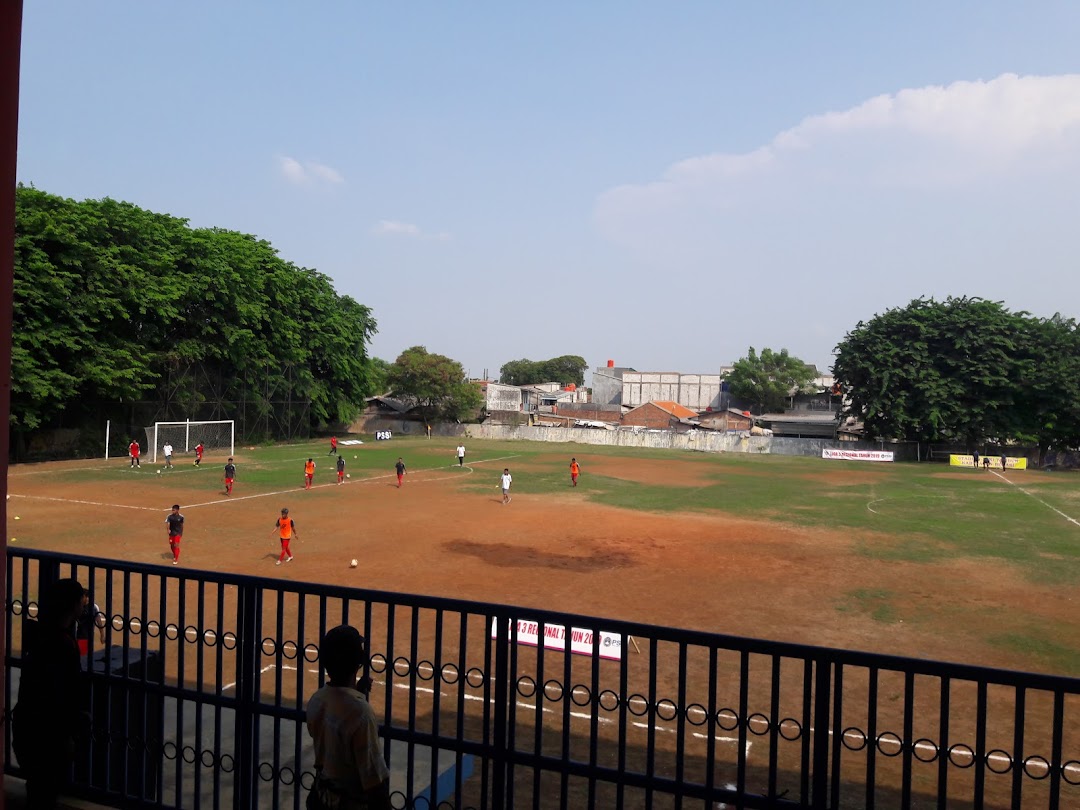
(184, 436)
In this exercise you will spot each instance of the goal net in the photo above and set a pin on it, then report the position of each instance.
(185, 436)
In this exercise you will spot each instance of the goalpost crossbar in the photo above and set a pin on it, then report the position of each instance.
(184, 436)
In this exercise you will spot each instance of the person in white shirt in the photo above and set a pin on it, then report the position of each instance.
(507, 480)
(168, 454)
(350, 771)
(461, 455)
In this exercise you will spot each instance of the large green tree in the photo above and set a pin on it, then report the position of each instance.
(1049, 383)
(767, 380)
(435, 383)
(566, 369)
(114, 304)
(937, 370)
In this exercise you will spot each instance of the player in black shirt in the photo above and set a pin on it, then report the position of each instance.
(230, 476)
(175, 523)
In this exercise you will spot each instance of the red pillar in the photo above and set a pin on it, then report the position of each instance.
(10, 44)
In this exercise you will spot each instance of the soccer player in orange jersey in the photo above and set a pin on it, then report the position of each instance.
(575, 471)
(309, 473)
(285, 526)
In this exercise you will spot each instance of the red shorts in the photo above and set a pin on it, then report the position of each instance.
(174, 539)
(309, 476)
(228, 480)
(341, 474)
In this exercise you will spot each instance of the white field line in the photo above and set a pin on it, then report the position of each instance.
(851, 736)
(1073, 521)
(90, 503)
(520, 704)
(368, 480)
(870, 505)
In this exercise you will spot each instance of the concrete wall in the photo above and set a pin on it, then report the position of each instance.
(704, 441)
(694, 391)
(607, 385)
(502, 397)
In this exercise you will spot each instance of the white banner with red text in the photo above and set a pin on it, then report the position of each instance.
(581, 640)
(858, 455)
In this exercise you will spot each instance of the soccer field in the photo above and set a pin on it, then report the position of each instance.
(921, 560)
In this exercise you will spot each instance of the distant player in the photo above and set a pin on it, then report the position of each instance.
(1003, 460)
(230, 476)
(309, 473)
(507, 480)
(133, 451)
(341, 470)
(461, 455)
(986, 462)
(575, 471)
(198, 454)
(285, 527)
(167, 450)
(975, 456)
(399, 468)
(333, 446)
(175, 524)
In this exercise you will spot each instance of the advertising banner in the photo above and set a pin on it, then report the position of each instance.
(1011, 463)
(858, 455)
(581, 641)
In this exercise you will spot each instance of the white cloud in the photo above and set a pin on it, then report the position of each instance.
(390, 227)
(326, 173)
(936, 137)
(307, 172)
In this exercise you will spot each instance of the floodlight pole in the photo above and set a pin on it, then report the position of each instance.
(10, 45)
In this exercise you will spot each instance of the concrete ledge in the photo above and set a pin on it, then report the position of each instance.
(15, 798)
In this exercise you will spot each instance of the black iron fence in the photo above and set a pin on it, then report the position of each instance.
(200, 686)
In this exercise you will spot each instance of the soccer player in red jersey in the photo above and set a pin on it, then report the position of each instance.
(175, 524)
(230, 476)
(198, 454)
(333, 446)
(133, 451)
(285, 526)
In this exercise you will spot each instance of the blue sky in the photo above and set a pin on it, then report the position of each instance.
(663, 185)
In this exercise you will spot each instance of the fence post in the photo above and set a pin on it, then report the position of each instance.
(502, 695)
(822, 720)
(247, 603)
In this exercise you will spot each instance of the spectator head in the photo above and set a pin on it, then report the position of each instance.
(342, 653)
(61, 602)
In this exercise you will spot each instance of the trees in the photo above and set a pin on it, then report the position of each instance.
(768, 379)
(1049, 382)
(567, 369)
(937, 370)
(114, 305)
(435, 383)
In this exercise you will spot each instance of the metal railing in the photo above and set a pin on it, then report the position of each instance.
(200, 687)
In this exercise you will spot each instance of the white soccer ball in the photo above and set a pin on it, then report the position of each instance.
(353, 563)
(347, 475)
(356, 456)
(159, 472)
